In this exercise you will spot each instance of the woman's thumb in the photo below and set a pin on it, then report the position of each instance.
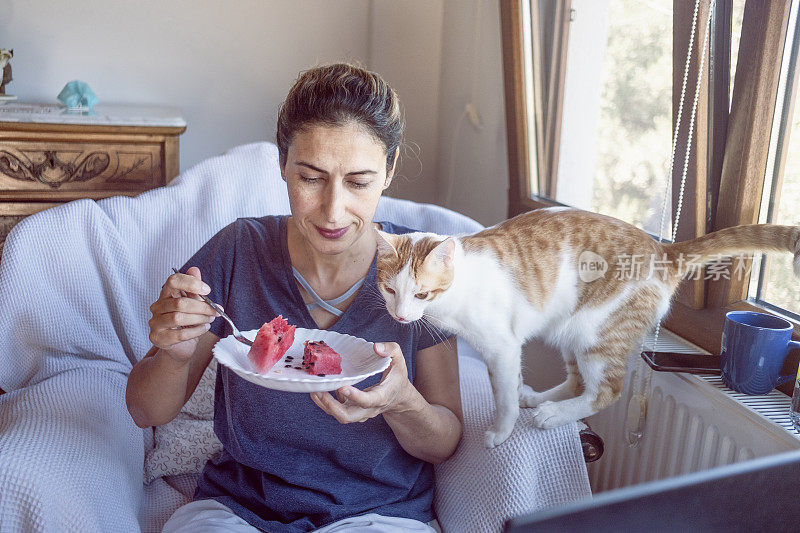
(194, 271)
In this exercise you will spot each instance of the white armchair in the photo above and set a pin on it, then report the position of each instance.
(76, 282)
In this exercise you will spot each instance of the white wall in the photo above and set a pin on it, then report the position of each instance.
(441, 55)
(473, 162)
(405, 46)
(227, 65)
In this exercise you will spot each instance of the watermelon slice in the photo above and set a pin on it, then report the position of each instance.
(320, 359)
(272, 341)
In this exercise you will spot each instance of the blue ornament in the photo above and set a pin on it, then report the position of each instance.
(77, 94)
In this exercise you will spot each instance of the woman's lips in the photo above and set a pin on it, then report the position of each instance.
(331, 233)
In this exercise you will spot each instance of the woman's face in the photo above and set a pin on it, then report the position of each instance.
(335, 176)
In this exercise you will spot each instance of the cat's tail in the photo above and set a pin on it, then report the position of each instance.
(738, 239)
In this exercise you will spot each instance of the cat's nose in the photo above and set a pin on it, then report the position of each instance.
(402, 319)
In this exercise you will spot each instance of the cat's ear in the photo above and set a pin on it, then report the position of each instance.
(443, 254)
(385, 242)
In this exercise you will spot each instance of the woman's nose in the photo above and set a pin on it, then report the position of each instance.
(334, 203)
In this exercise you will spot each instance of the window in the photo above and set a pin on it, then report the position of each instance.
(616, 127)
(623, 63)
(772, 283)
(736, 16)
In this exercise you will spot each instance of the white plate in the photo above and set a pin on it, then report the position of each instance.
(359, 361)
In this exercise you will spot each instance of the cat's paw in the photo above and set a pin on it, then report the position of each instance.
(495, 437)
(550, 415)
(529, 397)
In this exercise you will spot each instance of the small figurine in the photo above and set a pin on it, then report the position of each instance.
(5, 67)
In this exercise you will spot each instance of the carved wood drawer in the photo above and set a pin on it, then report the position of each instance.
(66, 170)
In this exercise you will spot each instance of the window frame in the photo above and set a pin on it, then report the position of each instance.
(512, 16)
(728, 159)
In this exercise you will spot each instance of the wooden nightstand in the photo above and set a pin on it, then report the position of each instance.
(50, 156)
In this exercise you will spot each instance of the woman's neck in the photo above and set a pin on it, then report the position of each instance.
(329, 269)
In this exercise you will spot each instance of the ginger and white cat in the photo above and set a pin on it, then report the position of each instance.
(522, 279)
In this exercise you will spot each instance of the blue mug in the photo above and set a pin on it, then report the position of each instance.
(754, 347)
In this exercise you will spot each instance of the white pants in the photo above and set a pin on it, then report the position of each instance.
(210, 516)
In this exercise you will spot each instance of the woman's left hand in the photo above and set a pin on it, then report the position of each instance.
(355, 405)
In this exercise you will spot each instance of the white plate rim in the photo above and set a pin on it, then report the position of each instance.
(251, 334)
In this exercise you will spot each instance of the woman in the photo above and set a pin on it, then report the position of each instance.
(295, 462)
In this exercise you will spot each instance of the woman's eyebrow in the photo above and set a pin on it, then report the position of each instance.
(357, 172)
(354, 173)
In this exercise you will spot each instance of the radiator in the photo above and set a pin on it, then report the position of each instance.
(693, 423)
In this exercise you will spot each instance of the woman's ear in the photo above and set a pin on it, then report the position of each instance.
(390, 174)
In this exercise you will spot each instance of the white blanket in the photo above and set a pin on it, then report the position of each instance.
(76, 282)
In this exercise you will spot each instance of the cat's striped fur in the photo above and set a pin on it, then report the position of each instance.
(521, 279)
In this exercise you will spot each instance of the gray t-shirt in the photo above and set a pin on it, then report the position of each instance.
(287, 465)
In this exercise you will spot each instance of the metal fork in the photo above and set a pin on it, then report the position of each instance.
(236, 333)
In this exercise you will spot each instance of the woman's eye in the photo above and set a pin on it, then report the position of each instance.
(308, 180)
(359, 185)
(421, 295)
(390, 291)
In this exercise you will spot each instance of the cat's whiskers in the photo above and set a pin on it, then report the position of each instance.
(426, 322)
(374, 299)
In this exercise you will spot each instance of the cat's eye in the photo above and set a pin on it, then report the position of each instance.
(390, 291)
(421, 295)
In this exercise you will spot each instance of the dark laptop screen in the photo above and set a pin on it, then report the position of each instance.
(757, 495)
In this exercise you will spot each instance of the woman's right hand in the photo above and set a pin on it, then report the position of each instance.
(180, 316)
